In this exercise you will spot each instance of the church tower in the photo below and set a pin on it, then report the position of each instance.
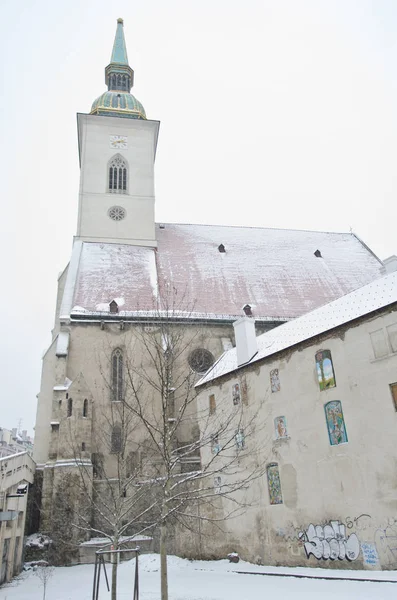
(117, 147)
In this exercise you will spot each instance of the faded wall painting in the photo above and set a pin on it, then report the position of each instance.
(330, 542)
(335, 423)
(280, 426)
(325, 370)
(217, 484)
(274, 381)
(240, 439)
(274, 484)
(215, 445)
(236, 394)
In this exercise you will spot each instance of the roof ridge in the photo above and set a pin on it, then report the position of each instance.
(256, 227)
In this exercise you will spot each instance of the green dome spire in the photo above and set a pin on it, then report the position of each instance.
(119, 78)
(119, 54)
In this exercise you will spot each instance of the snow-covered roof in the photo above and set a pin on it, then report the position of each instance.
(372, 297)
(275, 271)
(62, 343)
(103, 541)
(62, 387)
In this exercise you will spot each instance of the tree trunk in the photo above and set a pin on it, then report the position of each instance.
(114, 576)
(115, 563)
(163, 561)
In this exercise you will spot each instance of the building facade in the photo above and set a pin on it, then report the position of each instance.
(12, 441)
(16, 472)
(126, 272)
(323, 393)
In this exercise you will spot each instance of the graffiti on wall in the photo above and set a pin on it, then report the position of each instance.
(370, 555)
(361, 522)
(335, 423)
(386, 541)
(330, 542)
(325, 370)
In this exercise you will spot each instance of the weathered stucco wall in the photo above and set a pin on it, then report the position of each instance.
(338, 503)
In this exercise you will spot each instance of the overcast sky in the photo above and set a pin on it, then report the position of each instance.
(274, 113)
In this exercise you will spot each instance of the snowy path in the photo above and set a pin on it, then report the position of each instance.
(202, 580)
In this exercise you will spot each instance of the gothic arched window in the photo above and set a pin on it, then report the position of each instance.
(85, 408)
(117, 375)
(118, 175)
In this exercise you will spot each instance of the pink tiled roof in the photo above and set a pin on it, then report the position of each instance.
(352, 306)
(273, 270)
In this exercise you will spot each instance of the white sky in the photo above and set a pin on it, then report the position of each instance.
(275, 113)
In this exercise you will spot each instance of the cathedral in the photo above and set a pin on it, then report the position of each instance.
(123, 265)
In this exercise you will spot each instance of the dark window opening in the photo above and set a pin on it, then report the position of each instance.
(200, 360)
(117, 375)
(70, 407)
(116, 441)
(248, 310)
(83, 446)
(118, 175)
(85, 408)
(114, 307)
(318, 254)
(221, 248)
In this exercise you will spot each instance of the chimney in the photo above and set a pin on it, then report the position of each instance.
(246, 346)
(390, 264)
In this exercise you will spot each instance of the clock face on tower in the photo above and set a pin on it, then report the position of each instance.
(118, 141)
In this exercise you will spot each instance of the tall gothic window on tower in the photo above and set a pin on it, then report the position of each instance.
(118, 175)
(117, 375)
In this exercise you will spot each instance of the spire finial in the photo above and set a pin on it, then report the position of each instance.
(118, 74)
(119, 53)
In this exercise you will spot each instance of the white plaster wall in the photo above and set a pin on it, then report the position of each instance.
(42, 431)
(321, 482)
(94, 199)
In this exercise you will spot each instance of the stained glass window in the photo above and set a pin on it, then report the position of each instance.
(325, 370)
(274, 484)
(335, 423)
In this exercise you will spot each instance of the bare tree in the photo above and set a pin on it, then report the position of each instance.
(44, 573)
(160, 461)
(199, 457)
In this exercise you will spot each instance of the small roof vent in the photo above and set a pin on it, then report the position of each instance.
(114, 307)
(248, 310)
(161, 226)
(318, 254)
(221, 248)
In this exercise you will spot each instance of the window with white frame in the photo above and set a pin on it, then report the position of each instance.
(118, 175)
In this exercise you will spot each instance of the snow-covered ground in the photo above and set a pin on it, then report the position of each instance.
(207, 580)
